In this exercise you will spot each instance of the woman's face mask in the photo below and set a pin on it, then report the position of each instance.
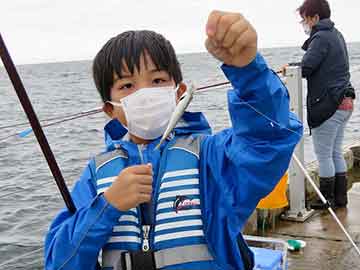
(309, 22)
(307, 28)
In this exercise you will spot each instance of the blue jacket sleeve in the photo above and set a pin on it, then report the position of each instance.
(74, 240)
(242, 164)
(245, 162)
(315, 53)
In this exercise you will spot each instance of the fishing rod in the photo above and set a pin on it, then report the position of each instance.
(36, 127)
(323, 199)
(200, 89)
(35, 124)
(96, 110)
(308, 177)
(20, 90)
(70, 117)
(74, 116)
(58, 117)
(24, 133)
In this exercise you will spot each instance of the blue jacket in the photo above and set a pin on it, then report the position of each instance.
(238, 166)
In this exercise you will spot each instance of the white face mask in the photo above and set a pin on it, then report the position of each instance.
(148, 111)
(307, 29)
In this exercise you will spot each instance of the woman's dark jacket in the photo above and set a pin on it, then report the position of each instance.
(325, 65)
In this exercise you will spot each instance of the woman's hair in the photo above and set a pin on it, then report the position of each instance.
(128, 48)
(313, 7)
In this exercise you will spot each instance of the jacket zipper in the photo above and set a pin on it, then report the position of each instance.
(148, 231)
(145, 241)
(145, 229)
(157, 187)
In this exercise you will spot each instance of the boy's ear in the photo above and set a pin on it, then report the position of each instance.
(181, 90)
(108, 109)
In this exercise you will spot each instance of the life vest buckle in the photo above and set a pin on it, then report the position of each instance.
(138, 260)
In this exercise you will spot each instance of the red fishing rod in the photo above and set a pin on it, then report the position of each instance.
(38, 131)
(35, 124)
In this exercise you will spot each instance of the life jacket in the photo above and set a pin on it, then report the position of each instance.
(177, 237)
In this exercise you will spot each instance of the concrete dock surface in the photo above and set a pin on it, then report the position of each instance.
(327, 247)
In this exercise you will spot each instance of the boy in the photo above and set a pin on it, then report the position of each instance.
(202, 187)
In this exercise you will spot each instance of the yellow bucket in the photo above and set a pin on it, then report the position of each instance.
(277, 198)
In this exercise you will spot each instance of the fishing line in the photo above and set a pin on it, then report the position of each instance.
(24, 133)
(200, 89)
(43, 186)
(95, 110)
(272, 122)
(307, 176)
(98, 110)
(90, 112)
(21, 257)
(322, 198)
(35, 125)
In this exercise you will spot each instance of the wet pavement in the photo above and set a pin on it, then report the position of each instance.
(327, 247)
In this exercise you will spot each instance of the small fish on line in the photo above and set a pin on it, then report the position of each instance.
(183, 103)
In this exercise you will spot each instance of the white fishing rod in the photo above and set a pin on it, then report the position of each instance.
(322, 198)
(308, 177)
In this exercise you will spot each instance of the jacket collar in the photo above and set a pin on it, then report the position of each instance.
(322, 25)
(190, 123)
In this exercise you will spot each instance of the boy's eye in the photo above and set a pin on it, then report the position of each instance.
(159, 80)
(126, 86)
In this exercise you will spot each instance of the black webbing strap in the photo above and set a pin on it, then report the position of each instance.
(146, 214)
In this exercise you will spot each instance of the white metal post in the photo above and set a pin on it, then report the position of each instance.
(297, 211)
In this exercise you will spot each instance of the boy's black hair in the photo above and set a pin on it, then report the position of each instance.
(128, 48)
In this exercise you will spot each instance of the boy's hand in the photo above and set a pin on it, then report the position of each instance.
(231, 38)
(132, 187)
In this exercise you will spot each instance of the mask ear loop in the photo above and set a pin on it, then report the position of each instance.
(119, 104)
(185, 92)
(176, 89)
(114, 103)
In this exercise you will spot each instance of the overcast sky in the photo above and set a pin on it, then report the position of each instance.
(64, 30)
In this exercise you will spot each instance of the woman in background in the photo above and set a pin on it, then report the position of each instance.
(325, 66)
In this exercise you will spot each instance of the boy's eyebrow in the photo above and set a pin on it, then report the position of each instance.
(155, 70)
(129, 75)
(122, 77)
(125, 76)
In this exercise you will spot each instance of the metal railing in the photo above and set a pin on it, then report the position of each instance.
(297, 211)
